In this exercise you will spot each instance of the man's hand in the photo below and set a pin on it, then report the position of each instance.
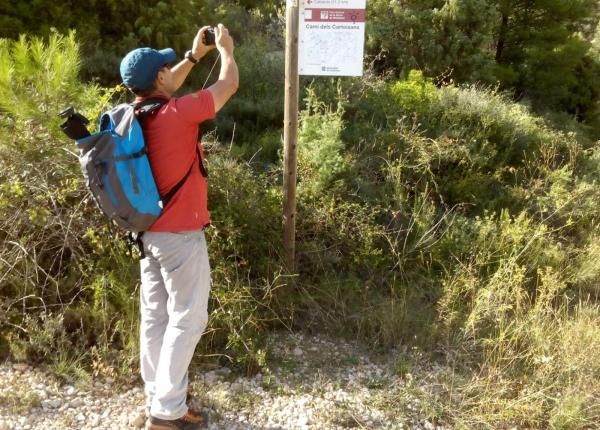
(223, 40)
(199, 49)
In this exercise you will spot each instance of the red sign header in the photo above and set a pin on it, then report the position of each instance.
(354, 16)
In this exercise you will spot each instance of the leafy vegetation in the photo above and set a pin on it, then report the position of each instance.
(433, 209)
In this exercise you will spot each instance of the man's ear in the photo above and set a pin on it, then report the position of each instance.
(160, 79)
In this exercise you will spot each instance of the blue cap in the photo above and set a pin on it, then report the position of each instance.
(140, 67)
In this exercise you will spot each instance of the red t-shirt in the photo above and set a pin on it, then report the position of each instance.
(171, 136)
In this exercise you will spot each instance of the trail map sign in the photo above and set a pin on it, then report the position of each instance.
(332, 37)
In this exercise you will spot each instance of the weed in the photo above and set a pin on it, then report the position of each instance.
(16, 403)
(378, 382)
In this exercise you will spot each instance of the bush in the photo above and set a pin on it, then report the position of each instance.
(476, 224)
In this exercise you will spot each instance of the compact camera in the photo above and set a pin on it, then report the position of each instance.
(209, 36)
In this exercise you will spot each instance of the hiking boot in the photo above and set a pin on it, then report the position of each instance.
(139, 421)
(192, 420)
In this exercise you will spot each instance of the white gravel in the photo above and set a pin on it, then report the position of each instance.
(312, 383)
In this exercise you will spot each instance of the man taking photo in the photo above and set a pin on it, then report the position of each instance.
(175, 272)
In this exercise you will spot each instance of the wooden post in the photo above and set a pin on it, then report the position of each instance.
(290, 133)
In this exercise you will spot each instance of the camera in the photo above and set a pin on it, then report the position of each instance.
(209, 36)
(75, 124)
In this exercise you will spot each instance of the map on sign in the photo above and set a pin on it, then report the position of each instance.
(331, 37)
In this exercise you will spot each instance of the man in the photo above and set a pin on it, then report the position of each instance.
(175, 271)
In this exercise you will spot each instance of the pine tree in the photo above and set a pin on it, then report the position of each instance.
(37, 77)
(443, 38)
(540, 53)
(538, 49)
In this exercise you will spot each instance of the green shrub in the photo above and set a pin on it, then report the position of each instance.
(414, 94)
(476, 222)
(320, 149)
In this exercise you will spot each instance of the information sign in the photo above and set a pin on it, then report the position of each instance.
(332, 37)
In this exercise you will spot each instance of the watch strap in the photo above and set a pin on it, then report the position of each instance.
(190, 57)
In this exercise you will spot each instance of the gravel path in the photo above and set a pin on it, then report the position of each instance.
(312, 383)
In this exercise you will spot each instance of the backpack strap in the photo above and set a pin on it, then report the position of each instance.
(135, 239)
(202, 168)
(167, 197)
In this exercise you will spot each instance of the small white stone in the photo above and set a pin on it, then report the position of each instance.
(236, 386)
(210, 378)
(20, 367)
(297, 351)
(55, 403)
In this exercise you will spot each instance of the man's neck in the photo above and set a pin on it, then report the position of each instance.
(161, 94)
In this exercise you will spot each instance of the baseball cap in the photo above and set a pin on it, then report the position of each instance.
(140, 67)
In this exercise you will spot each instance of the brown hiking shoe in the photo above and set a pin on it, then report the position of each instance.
(192, 420)
(139, 421)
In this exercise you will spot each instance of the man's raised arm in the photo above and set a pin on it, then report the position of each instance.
(229, 78)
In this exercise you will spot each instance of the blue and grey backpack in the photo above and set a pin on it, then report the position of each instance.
(115, 164)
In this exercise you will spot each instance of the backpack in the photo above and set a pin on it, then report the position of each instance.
(115, 164)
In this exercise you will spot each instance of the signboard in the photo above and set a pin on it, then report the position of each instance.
(331, 37)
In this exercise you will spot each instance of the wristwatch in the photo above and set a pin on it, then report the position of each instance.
(190, 57)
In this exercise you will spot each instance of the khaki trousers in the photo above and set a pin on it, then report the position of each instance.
(174, 312)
